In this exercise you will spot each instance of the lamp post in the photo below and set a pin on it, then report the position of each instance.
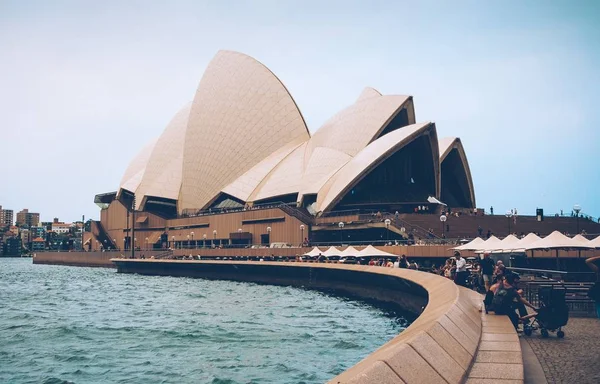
(269, 233)
(134, 243)
(173, 242)
(114, 242)
(188, 242)
(577, 209)
(204, 241)
(96, 245)
(387, 223)
(194, 244)
(215, 237)
(508, 215)
(124, 244)
(301, 235)
(146, 243)
(443, 219)
(341, 225)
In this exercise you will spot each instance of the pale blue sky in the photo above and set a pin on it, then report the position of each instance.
(84, 84)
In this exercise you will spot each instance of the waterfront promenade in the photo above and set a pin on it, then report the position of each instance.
(574, 359)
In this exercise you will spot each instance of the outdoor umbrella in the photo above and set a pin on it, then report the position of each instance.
(491, 244)
(595, 242)
(557, 241)
(372, 251)
(507, 244)
(314, 252)
(332, 251)
(350, 251)
(470, 246)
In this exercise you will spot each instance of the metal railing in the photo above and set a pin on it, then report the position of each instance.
(575, 284)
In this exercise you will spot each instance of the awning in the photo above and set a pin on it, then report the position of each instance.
(141, 219)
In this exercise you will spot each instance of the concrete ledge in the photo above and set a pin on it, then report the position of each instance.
(499, 358)
(440, 346)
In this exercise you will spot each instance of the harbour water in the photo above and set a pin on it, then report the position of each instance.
(92, 325)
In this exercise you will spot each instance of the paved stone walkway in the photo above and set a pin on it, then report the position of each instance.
(574, 359)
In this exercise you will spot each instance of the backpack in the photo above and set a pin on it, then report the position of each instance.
(502, 301)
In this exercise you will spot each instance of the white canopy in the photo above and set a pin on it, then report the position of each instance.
(314, 252)
(595, 242)
(557, 240)
(332, 251)
(526, 241)
(578, 239)
(508, 244)
(491, 244)
(372, 251)
(470, 246)
(350, 251)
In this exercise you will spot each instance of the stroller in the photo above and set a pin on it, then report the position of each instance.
(553, 313)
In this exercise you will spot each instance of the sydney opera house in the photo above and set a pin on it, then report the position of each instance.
(238, 165)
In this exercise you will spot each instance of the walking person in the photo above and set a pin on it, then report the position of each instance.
(487, 270)
(461, 270)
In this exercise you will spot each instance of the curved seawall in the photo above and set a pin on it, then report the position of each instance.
(438, 347)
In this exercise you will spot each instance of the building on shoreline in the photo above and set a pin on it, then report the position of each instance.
(238, 166)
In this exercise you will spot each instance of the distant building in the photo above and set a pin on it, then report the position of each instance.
(38, 244)
(6, 217)
(12, 247)
(26, 218)
(37, 231)
(61, 228)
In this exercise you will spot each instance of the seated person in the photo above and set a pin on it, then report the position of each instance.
(505, 300)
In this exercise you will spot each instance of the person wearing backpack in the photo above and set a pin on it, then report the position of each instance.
(594, 291)
(506, 298)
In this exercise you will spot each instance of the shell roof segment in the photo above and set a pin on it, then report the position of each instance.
(369, 157)
(135, 171)
(241, 114)
(164, 168)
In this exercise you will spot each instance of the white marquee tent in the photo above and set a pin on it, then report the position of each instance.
(557, 240)
(595, 242)
(314, 252)
(470, 246)
(372, 251)
(350, 251)
(491, 244)
(332, 251)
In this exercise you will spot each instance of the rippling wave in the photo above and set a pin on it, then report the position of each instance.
(89, 325)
